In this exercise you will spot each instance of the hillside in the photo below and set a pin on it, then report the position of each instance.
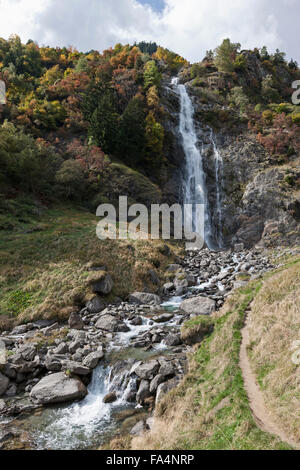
(139, 343)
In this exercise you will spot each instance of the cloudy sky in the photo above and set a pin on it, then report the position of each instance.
(188, 27)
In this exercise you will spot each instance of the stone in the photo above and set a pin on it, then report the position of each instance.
(110, 397)
(19, 330)
(91, 360)
(77, 368)
(164, 318)
(111, 324)
(75, 321)
(74, 345)
(143, 391)
(158, 379)
(27, 352)
(198, 305)
(49, 329)
(144, 298)
(147, 370)
(11, 391)
(173, 268)
(172, 340)
(62, 348)
(164, 388)
(168, 287)
(166, 369)
(95, 305)
(53, 363)
(138, 429)
(136, 321)
(4, 383)
(58, 388)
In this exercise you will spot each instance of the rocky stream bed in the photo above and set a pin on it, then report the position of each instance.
(76, 385)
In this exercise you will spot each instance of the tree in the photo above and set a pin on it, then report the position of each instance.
(71, 178)
(226, 55)
(154, 141)
(238, 98)
(264, 53)
(132, 132)
(152, 77)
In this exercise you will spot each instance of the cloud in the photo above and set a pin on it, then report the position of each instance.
(189, 28)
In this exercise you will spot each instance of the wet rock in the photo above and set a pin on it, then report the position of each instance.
(4, 383)
(147, 370)
(110, 398)
(91, 360)
(58, 388)
(164, 318)
(75, 321)
(138, 429)
(103, 284)
(144, 298)
(154, 277)
(136, 321)
(198, 305)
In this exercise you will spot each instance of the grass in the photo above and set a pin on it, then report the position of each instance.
(273, 328)
(210, 409)
(45, 261)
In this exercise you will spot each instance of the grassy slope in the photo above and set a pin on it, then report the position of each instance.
(210, 410)
(44, 262)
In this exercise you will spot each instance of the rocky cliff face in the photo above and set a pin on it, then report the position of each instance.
(259, 204)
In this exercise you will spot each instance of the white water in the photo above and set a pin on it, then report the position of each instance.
(194, 187)
(218, 177)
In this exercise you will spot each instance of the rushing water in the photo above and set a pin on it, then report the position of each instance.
(194, 187)
(218, 177)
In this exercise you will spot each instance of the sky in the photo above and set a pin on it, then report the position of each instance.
(188, 27)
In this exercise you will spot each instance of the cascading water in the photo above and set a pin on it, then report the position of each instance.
(194, 184)
(218, 177)
(194, 187)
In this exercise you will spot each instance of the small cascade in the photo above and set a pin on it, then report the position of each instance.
(218, 178)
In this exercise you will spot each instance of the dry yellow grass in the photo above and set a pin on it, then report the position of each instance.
(274, 325)
(45, 273)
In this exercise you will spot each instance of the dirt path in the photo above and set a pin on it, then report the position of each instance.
(256, 399)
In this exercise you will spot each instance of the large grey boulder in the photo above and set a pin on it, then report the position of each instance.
(91, 360)
(77, 368)
(147, 370)
(58, 388)
(111, 324)
(144, 298)
(198, 305)
(95, 305)
(4, 383)
(143, 391)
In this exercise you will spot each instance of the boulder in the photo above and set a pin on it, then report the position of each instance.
(144, 298)
(165, 317)
(143, 391)
(4, 383)
(58, 388)
(158, 379)
(53, 363)
(28, 352)
(95, 305)
(75, 321)
(110, 397)
(147, 370)
(153, 277)
(172, 340)
(198, 305)
(91, 360)
(77, 368)
(138, 429)
(165, 387)
(111, 324)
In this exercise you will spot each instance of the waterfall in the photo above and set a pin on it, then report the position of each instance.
(218, 178)
(194, 185)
